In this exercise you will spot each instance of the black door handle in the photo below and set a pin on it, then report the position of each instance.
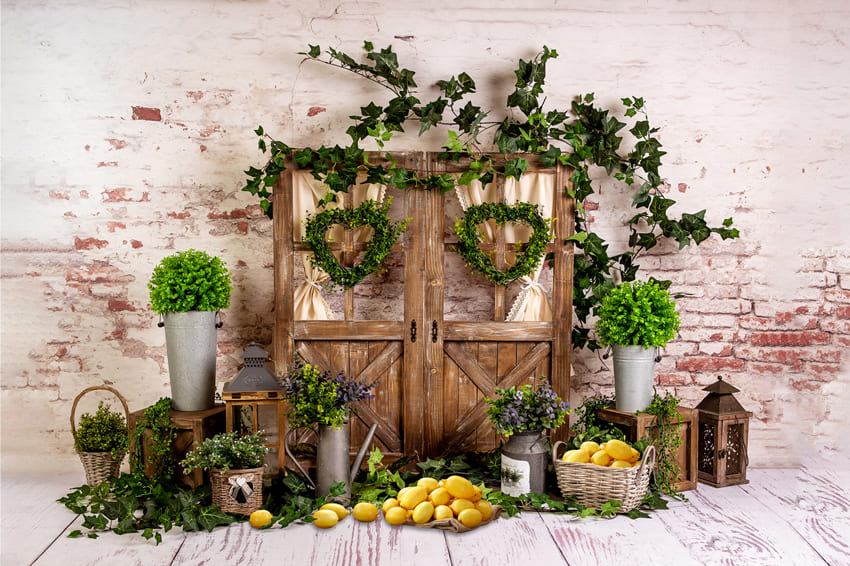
(413, 331)
(433, 331)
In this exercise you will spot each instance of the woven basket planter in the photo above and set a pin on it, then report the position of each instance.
(594, 485)
(237, 491)
(99, 465)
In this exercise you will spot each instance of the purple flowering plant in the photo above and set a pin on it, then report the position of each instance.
(320, 397)
(527, 408)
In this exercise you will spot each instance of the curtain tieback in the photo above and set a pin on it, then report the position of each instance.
(314, 284)
(530, 284)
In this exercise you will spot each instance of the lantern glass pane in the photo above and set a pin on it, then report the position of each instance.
(268, 422)
(734, 449)
(707, 445)
(243, 419)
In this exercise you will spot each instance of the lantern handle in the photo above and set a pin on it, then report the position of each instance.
(648, 461)
(218, 322)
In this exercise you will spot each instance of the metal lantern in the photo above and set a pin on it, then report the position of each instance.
(723, 429)
(254, 401)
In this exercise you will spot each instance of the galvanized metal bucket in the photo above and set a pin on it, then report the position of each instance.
(190, 340)
(634, 377)
(524, 462)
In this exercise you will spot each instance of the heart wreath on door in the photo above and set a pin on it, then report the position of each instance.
(369, 213)
(469, 239)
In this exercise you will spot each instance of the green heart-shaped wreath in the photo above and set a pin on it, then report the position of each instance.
(369, 213)
(467, 230)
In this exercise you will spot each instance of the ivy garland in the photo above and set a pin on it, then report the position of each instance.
(368, 213)
(467, 230)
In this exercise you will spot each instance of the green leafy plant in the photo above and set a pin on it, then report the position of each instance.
(104, 431)
(156, 433)
(467, 229)
(189, 281)
(369, 213)
(583, 137)
(527, 408)
(227, 451)
(316, 397)
(637, 314)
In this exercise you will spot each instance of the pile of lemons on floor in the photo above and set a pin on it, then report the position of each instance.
(612, 454)
(428, 500)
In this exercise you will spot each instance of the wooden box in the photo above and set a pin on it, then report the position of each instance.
(192, 427)
(637, 426)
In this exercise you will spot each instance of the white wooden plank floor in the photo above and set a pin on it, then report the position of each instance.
(782, 517)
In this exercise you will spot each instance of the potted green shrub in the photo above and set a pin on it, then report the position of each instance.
(636, 319)
(188, 289)
(522, 414)
(101, 439)
(235, 463)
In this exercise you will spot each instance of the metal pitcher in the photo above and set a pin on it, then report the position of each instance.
(332, 456)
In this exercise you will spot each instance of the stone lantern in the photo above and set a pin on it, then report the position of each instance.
(723, 430)
(254, 401)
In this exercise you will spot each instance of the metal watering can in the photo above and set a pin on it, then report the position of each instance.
(332, 451)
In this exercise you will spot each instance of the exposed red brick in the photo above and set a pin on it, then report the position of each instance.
(203, 148)
(790, 338)
(136, 244)
(683, 187)
(315, 110)
(112, 226)
(674, 379)
(843, 340)
(836, 326)
(767, 369)
(824, 370)
(242, 227)
(837, 296)
(805, 385)
(116, 195)
(232, 215)
(196, 95)
(117, 306)
(61, 195)
(89, 243)
(145, 113)
(709, 364)
(97, 274)
(241, 263)
(179, 215)
(590, 205)
(119, 334)
(207, 132)
(116, 144)
(108, 164)
(84, 194)
(842, 312)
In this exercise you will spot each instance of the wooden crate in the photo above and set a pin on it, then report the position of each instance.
(192, 427)
(636, 426)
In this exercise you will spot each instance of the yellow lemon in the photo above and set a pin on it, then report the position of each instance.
(402, 491)
(460, 505)
(485, 509)
(579, 456)
(341, 512)
(389, 504)
(619, 450)
(430, 484)
(590, 447)
(396, 515)
(443, 512)
(440, 496)
(459, 487)
(412, 497)
(325, 518)
(601, 458)
(476, 493)
(470, 518)
(423, 512)
(620, 464)
(365, 512)
(260, 518)
(635, 455)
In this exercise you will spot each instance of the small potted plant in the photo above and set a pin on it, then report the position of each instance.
(522, 414)
(235, 463)
(319, 398)
(636, 319)
(188, 289)
(101, 439)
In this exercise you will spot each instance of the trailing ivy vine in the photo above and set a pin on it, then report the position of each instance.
(159, 443)
(582, 137)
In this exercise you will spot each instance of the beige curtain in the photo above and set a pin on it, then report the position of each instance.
(307, 191)
(531, 304)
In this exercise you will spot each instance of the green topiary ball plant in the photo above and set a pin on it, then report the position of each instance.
(637, 314)
(105, 431)
(190, 281)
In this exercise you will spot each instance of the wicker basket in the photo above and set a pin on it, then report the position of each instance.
(237, 491)
(594, 485)
(99, 465)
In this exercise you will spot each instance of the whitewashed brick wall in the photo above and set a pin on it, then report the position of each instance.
(126, 127)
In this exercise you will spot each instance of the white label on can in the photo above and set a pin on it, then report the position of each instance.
(516, 476)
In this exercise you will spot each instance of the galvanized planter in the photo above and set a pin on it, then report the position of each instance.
(524, 462)
(190, 340)
(634, 377)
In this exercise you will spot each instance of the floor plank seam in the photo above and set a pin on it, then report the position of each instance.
(176, 554)
(52, 542)
(554, 540)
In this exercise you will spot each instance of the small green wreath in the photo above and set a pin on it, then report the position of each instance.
(369, 213)
(467, 230)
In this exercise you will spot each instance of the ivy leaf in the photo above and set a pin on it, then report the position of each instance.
(75, 534)
(367, 45)
(609, 508)
(523, 99)
(432, 114)
(515, 167)
(211, 517)
(469, 118)
(315, 50)
(550, 157)
(577, 237)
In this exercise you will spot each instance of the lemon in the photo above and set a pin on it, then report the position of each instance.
(470, 518)
(590, 447)
(485, 509)
(601, 458)
(619, 450)
(476, 493)
(459, 487)
(412, 497)
(423, 512)
(635, 455)
(365, 512)
(341, 512)
(459, 505)
(325, 518)
(430, 484)
(620, 464)
(402, 491)
(440, 496)
(579, 456)
(396, 515)
(443, 512)
(260, 518)
(389, 504)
